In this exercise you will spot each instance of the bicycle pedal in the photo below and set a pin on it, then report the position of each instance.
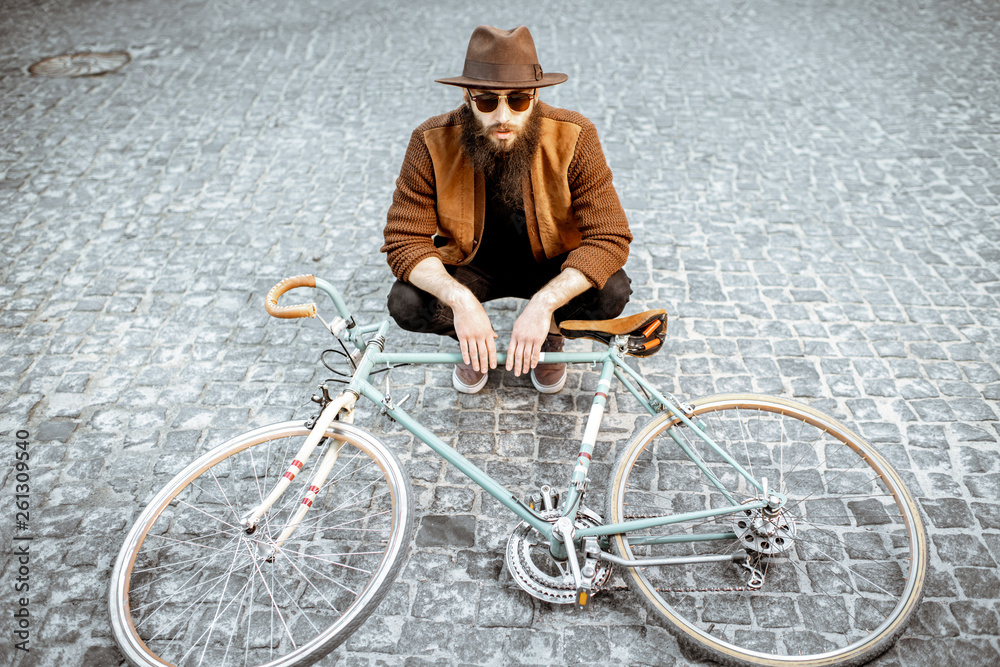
(582, 598)
(535, 501)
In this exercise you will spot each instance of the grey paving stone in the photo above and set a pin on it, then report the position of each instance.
(453, 531)
(527, 646)
(55, 430)
(948, 512)
(962, 550)
(425, 638)
(978, 583)
(972, 652)
(477, 646)
(506, 608)
(934, 620)
(444, 603)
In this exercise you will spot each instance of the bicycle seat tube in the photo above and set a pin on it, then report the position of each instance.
(578, 482)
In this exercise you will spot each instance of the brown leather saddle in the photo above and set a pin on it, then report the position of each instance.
(646, 331)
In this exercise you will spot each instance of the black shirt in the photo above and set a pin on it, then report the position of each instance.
(504, 245)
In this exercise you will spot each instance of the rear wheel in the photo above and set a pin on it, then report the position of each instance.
(831, 577)
(192, 587)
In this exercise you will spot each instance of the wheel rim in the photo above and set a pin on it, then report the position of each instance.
(853, 527)
(302, 571)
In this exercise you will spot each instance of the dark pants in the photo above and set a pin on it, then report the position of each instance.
(416, 310)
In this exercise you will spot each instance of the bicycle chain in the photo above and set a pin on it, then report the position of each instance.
(605, 589)
(531, 582)
(727, 589)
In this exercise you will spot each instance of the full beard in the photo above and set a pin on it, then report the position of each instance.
(507, 166)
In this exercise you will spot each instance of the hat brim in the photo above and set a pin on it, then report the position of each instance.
(548, 79)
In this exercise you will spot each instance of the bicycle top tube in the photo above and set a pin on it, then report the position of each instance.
(624, 339)
(392, 358)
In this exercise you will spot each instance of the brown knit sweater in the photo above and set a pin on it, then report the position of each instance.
(570, 202)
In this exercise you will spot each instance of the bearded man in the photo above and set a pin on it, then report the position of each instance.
(505, 196)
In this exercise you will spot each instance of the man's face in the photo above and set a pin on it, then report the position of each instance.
(502, 126)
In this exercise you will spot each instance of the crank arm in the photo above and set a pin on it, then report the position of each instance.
(564, 531)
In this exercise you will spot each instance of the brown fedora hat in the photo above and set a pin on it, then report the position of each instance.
(503, 59)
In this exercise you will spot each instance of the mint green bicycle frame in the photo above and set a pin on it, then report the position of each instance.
(612, 363)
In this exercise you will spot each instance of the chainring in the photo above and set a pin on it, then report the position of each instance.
(535, 570)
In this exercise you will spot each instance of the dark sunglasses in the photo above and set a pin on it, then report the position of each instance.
(488, 102)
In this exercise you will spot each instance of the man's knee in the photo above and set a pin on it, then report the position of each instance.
(599, 304)
(414, 309)
(615, 294)
(609, 301)
(405, 303)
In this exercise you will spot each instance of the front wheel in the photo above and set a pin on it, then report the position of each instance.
(830, 577)
(192, 587)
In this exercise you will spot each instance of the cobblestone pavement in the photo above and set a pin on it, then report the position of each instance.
(815, 195)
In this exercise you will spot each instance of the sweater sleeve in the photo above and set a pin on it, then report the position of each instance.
(604, 229)
(412, 218)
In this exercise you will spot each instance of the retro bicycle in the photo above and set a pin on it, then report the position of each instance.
(761, 531)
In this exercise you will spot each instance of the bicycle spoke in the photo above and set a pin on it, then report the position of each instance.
(208, 631)
(845, 580)
(204, 564)
(746, 446)
(333, 562)
(232, 635)
(331, 579)
(174, 564)
(320, 516)
(322, 529)
(200, 586)
(306, 579)
(274, 604)
(190, 542)
(219, 606)
(211, 516)
(246, 634)
(185, 611)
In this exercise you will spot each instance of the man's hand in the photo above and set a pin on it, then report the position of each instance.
(536, 321)
(527, 336)
(472, 326)
(475, 333)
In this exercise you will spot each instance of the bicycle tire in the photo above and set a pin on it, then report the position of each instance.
(190, 586)
(839, 593)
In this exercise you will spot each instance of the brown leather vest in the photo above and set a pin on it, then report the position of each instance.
(461, 193)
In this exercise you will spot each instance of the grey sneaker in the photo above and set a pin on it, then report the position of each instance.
(550, 378)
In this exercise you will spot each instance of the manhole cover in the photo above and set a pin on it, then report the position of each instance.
(81, 64)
